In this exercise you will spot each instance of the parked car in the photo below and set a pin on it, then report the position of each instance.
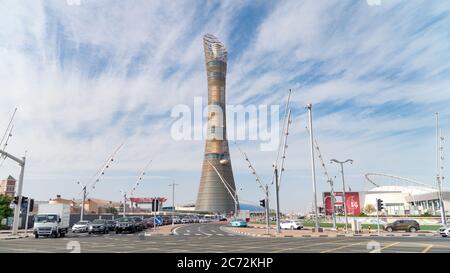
(125, 224)
(98, 226)
(238, 223)
(204, 220)
(148, 223)
(177, 220)
(139, 223)
(81, 226)
(223, 219)
(291, 224)
(166, 220)
(111, 224)
(407, 225)
(445, 231)
(186, 220)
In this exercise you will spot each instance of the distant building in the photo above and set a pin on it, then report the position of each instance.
(91, 205)
(397, 200)
(8, 186)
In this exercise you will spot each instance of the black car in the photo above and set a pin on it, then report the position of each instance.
(98, 226)
(139, 222)
(126, 224)
(166, 220)
(111, 224)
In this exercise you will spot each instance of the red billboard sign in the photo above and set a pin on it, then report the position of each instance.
(352, 202)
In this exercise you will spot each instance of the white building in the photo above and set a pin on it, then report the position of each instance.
(406, 200)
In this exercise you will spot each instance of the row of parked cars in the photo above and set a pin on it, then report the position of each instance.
(133, 223)
(130, 224)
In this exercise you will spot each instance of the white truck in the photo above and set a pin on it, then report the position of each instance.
(52, 220)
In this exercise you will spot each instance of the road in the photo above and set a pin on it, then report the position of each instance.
(205, 238)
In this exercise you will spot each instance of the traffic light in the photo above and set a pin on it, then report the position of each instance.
(380, 206)
(262, 203)
(155, 205)
(16, 200)
(31, 204)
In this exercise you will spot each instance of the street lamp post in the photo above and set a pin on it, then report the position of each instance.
(173, 200)
(313, 168)
(83, 201)
(343, 187)
(19, 189)
(439, 176)
(277, 196)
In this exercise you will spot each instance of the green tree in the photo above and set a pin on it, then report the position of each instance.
(369, 209)
(111, 210)
(5, 210)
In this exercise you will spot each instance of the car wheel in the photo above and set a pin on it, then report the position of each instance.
(89, 233)
(117, 232)
(36, 236)
(63, 234)
(389, 229)
(412, 229)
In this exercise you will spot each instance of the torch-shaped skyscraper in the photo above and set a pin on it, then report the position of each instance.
(217, 192)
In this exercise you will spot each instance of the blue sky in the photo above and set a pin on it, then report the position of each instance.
(88, 77)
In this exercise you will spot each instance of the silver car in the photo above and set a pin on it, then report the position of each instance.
(81, 226)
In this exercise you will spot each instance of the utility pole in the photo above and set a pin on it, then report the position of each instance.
(313, 168)
(333, 203)
(173, 200)
(267, 209)
(21, 163)
(83, 201)
(341, 163)
(277, 197)
(124, 203)
(439, 168)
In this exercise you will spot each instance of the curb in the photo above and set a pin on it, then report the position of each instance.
(13, 238)
(333, 235)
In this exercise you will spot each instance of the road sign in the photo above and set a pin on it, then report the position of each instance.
(158, 220)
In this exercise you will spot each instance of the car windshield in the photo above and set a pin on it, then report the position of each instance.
(98, 221)
(82, 223)
(46, 218)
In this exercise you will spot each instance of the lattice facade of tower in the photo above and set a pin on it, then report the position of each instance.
(213, 195)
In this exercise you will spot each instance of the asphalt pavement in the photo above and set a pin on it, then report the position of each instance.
(211, 237)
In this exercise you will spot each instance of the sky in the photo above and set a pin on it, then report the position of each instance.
(89, 75)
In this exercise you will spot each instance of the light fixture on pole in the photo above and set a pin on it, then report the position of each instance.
(341, 163)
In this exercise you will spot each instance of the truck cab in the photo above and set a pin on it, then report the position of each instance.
(52, 220)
